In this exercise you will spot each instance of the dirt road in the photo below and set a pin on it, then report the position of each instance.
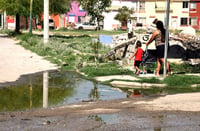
(179, 112)
(16, 61)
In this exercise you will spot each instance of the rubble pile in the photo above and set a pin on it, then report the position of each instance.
(192, 44)
(189, 39)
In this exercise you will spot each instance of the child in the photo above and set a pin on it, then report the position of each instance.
(138, 57)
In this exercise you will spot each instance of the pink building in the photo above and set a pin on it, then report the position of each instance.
(76, 14)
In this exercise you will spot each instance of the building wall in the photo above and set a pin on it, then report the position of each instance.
(196, 14)
(76, 12)
(109, 22)
(10, 22)
(56, 19)
(150, 13)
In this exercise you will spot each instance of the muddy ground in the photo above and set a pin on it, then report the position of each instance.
(115, 115)
(179, 112)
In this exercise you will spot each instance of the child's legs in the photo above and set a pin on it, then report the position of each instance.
(137, 68)
(137, 65)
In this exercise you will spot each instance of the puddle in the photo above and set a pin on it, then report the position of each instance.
(60, 88)
(148, 122)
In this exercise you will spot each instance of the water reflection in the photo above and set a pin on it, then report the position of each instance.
(52, 89)
(31, 90)
(134, 93)
(59, 88)
(45, 89)
(94, 94)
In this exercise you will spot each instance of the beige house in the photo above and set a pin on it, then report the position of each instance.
(145, 11)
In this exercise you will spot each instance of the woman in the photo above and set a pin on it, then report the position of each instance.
(159, 37)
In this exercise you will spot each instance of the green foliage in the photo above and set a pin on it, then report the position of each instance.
(104, 70)
(123, 14)
(181, 80)
(22, 8)
(95, 8)
(67, 52)
(7, 31)
(184, 68)
(150, 80)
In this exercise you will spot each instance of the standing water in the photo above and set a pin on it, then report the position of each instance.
(29, 92)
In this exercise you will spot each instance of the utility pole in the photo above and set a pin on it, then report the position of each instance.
(30, 27)
(4, 20)
(46, 21)
(166, 38)
(2, 23)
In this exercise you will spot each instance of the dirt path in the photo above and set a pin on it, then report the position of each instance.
(16, 61)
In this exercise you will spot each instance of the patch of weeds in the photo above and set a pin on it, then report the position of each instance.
(6, 31)
(181, 80)
(185, 68)
(172, 90)
(25, 37)
(150, 80)
(104, 70)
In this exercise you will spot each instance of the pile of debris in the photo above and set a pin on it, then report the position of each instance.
(185, 45)
(189, 39)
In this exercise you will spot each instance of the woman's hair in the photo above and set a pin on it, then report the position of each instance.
(138, 44)
(160, 26)
(155, 21)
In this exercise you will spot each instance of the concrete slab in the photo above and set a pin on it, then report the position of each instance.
(121, 77)
(135, 84)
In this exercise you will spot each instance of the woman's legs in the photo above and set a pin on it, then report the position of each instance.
(158, 67)
(162, 60)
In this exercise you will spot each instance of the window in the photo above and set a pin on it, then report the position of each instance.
(142, 20)
(193, 21)
(79, 19)
(185, 4)
(193, 6)
(184, 21)
(142, 5)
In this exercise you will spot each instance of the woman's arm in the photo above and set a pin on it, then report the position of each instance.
(152, 37)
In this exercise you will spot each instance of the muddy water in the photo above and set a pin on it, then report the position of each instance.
(30, 92)
(63, 88)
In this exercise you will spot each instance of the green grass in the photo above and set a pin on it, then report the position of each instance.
(70, 52)
(150, 80)
(181, 81)
(185, 68)
(89, 32)
(104, 70)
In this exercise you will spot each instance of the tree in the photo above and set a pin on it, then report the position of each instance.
(22, 8)
(123, 15)
(95, 8)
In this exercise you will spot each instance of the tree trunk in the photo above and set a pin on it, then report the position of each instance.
(17, 28)
(26, 23)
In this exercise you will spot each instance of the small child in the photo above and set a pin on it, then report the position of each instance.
(138, 57)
